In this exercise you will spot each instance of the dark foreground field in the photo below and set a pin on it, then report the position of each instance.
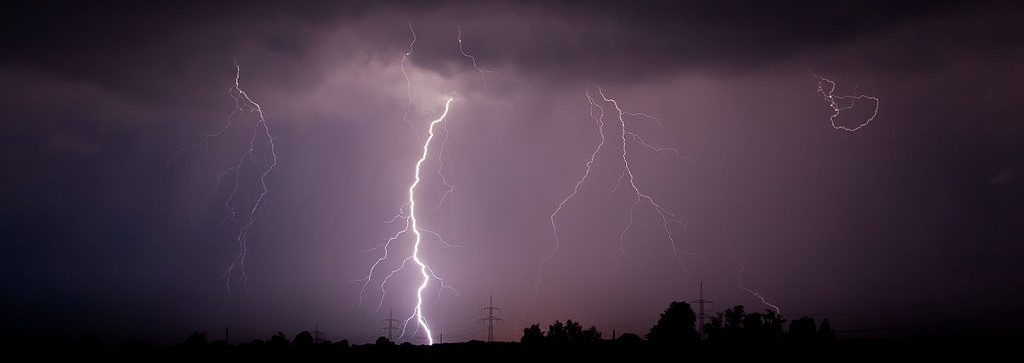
(841, 350)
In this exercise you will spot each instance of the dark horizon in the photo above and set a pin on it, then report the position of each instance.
(120, 219)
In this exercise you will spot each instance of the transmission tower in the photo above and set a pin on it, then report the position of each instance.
(490, 318)
(700, 309)
(391, 325)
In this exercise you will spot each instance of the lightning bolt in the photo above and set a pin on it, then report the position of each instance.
(408, 214)
(413, 224)
(739, 283)
(597, 113)
(667, 218)
(261, 129)
(839, 104)
(408, 83)
(261, 133)
(471, 58)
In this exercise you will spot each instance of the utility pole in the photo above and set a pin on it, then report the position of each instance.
(700, 309)
(226, 341)
(391, 326)
(490, 319)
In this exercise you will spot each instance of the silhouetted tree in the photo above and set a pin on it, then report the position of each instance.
(773, 325)
(715, 329)
(573, 331)
(825, 333)
(629, 339)
(279, 340)
(734, 322)
(591, 335)
(384, 342)
(675, 326)
(753, 328)
(802, 330)
(556, 333)
(532, 335)
(196, 339)
(303, 339)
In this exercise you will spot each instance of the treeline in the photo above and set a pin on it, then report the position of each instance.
(677, 326)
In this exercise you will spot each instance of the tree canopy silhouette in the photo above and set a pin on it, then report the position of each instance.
(570, 332)
(675, 326)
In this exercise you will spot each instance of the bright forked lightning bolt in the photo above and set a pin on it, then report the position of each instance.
(408, 214)
(827, 88)
(413, 224)
(739, 283)
(261, 129)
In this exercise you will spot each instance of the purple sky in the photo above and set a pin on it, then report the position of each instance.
(913, 222)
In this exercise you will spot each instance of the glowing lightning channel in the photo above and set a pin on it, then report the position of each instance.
(667, 218)
(413, 224)
(739, 283)
(471, 58)
(599, 120)
(244, 103)
(597, 113)
(408, 83)
(838, 104)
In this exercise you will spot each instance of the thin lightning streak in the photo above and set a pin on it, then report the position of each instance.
(245, 103)
(471, 58)
(408, 83)
(597, 113)
(599, 120)
(405, 118)
(666, 217)
(482, 71)
(739, 283)
(838, 104)
(440, 171)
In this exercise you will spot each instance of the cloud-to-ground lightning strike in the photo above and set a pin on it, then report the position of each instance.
(739, 283)
(827, 88)
(261, 132)
(408, 214)
(667, 218)
(597, 113)
(412, 226)
(261, 129)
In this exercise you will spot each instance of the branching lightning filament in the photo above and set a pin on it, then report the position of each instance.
(827, 88)
(739, 283)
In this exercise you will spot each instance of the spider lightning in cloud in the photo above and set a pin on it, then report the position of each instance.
(827, 88)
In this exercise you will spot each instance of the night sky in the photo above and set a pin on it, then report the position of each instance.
(112, 217)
